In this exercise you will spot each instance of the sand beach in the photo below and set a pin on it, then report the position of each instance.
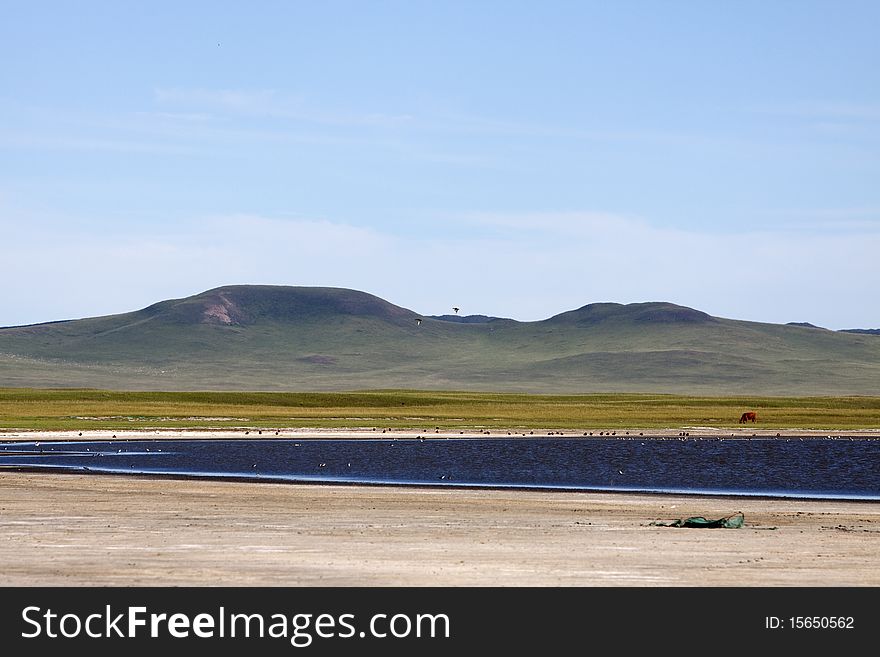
(71, 529)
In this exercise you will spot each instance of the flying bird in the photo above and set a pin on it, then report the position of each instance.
(455, 309)
(418, 322)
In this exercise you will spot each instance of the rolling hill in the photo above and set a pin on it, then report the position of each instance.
(303, 338)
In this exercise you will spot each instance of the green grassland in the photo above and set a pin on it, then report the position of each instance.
(82, 409)
(318, 339)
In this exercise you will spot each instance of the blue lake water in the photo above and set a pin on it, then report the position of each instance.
(788, 467)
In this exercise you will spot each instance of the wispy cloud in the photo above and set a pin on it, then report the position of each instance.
(95, 144)
(200, 132)
(269, 103)
(273, 104)
(845, 218)
(559, 223)
(828, 111)
(186, 117)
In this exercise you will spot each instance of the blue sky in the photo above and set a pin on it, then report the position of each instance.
(510, 158)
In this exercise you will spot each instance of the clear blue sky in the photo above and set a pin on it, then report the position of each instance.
(509, 158)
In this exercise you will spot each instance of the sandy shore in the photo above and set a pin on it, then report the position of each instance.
(117, 530)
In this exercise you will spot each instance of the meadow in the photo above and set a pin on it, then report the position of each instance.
(83, 409)
(287, 339)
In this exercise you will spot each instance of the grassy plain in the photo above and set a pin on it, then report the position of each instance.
(82, 409)
(316, 339)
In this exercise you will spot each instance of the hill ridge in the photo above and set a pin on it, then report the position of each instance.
(275, 337)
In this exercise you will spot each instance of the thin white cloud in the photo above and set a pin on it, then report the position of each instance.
(864, 219)
(271, 103)
(843, 110)
(560, 223)
(827, 110)
(186, 117)
(86, 143)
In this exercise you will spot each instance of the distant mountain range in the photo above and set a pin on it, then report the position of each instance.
(856, 330)
(308, 338)
(863, 331)
(465, 319)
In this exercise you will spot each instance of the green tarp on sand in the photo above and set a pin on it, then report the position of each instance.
(734, 521)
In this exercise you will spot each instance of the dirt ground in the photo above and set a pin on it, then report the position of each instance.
(134, 531)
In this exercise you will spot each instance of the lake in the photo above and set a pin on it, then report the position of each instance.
(843, 467)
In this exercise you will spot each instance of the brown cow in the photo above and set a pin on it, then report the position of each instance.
(749, 416)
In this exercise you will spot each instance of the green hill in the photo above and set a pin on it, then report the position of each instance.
(297, 338)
